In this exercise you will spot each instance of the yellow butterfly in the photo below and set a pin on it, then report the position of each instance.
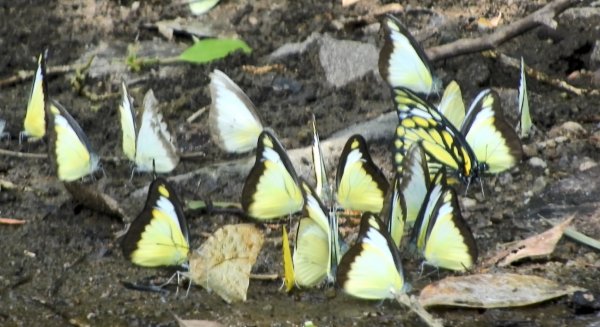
(371, 269)
(233, 122)
(452, 106)
(223, 262)
(441, 234)
(317, 249)
(360, 183)
(288, 264)
(415, 182)
(159, 235)
(485, 142)
(151, 146)
(393, 213)
(70, 147)
(35, 118)
(272, 188)
(525, 123)
(402, 61)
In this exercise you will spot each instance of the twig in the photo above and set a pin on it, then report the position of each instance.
(17, 154)
(11, 221)
(502, 34)
(415, 307)
(24, 75)
(536, 74)
(196, 114)
(264, 276)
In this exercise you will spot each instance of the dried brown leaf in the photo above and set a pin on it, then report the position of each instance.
(11, 221)
(94, 199)
(223, 263)
(492, 291)
(538, 245)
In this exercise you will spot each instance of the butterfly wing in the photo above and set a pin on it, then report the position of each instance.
(127, 118)
(402, 61)
(393, 213)
(271, 189)
(224, 261)
(420, 122)
(415, 182)
(360, 183)
(35, 119)
(199, 7)
(70, 147)
(493, 141)
(233, 121)
(371, 269)
(322, 188)
(428, 205)
(159, 235)
(525, 123)
(155, 150)
(452, 106)
(450, 243)
(288, 265)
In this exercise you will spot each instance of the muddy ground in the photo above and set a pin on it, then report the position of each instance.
(64, 266)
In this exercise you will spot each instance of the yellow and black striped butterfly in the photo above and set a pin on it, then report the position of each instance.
(272, 188)
(159, 235)
(371, 269)
(317, 249)
(402, 61)
(233, 121)
(70, 147)
(35, 117)
(360, 183)
(485, 142)
(441, 235)
(151, 145)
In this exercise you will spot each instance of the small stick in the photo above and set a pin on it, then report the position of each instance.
(17, 154)
(264, 276)
(196, 114)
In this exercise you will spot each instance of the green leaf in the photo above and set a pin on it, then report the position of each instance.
(208, 50)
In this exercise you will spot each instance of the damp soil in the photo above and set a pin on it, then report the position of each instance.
(64, 265)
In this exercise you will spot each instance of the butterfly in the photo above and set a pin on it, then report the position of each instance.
(317, 249)
(233, 122)
(322, 187)
(35, 117)
(272, 187)
(288, 264)
(402, 61)
(159, 235)
(223, 262)
(151, 146)
(393, 213)
(485, 142)
(70, 147)
(452, 106)
(360, 183)
(441, 235)
(525, 123)
(371, 269)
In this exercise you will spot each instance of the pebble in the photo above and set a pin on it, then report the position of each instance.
(530, 150)
(569, 129)
(539, 184)
(537, 162)
(468, 203)
(586, 164)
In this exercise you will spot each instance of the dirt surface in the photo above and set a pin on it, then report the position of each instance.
(64, 265)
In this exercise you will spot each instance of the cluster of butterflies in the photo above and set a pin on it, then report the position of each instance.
(150, 146)
(432, 145)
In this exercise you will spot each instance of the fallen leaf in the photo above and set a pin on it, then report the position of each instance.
(95, 199)
(484, 24)
(536, 246)
(223, 263)
(11, 221)
(492, 291)
(197, 323)
(346, 3)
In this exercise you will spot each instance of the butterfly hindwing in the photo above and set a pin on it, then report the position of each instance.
(402, 61)
(360, 183)
(452, 106)
(35, 117)
(159, 235)
(371, 269)
(233, 121)
(322, 187)
(525, 123)
(70, 149)
(393, 213)
(272, 188)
